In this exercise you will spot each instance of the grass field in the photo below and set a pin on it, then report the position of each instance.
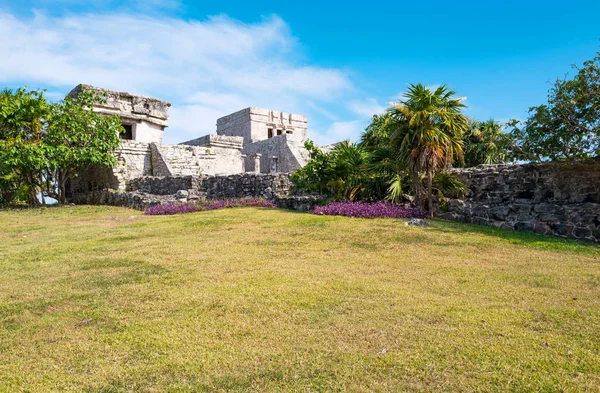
(101, 299)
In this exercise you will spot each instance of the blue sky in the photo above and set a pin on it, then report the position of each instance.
(336, 62)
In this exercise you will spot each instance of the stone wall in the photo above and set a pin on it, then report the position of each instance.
(140, 200)
(133, 161)
(200, 160)
(164, 185)
(217, 187)
(555, 198)
(246, 185)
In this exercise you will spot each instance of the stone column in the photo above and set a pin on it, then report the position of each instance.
(256, 162)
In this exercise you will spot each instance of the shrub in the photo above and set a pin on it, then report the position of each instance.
(192, 207)
(369, 210)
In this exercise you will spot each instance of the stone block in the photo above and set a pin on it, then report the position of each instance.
(582, 233)
(524, 226)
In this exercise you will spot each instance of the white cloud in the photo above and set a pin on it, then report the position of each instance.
(207, 69)
(366, 108)
(192, 121)
(340, 131)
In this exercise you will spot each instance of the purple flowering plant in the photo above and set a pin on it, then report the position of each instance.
(369, 210)
(199, 206)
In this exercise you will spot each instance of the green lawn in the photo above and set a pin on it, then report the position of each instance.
(101, 299)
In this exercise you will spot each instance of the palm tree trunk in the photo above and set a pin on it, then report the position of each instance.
(430, 192)
(417, 190)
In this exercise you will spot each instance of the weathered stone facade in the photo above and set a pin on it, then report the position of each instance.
(258, 124)
(145, 117)
(278, 154)
(561, 199)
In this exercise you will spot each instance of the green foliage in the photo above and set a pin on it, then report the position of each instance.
(376, 168)
(486, 143)
(378, 132)
(568, 126)
(448, 184)
(314, 176)
(79, 138)
(43, 145)
(395, 189)
(428, 134)
(23, 114)
(339, 173)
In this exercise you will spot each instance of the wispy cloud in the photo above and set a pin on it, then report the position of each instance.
(366, 108)
(208, 68)
(340, 131)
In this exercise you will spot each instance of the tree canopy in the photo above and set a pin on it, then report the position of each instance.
(567, 127)
(420, 135)
(428, 132)
(43, 144)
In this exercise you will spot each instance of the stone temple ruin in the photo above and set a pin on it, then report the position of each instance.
(251, 140)
(254, 151)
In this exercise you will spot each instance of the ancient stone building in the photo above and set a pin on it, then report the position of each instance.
(251, 140)
(144, 118)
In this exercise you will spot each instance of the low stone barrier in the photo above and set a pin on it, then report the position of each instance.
(561, 199)
(554, 198)
(148, 191)
(303, 203)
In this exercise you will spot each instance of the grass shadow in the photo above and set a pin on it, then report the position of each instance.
(528, 239)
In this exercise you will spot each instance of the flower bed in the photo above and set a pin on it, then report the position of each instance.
(199, 206)
(369, 210)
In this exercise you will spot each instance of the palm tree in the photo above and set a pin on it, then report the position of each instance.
(387, 172)
(347, 170)
(485, 143)
(428, 133)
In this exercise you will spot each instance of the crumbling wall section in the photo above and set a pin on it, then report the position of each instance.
(561, 199)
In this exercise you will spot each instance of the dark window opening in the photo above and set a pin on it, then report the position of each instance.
(289, 132)
(270, 133)
(274, 165)
(279, 132)
(128, 134)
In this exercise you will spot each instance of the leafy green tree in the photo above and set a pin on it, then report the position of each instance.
(79, 138)
(428, 134)
(43, 145)
(23, 158)
(568, 126)
(368, 170)
(316, 174)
